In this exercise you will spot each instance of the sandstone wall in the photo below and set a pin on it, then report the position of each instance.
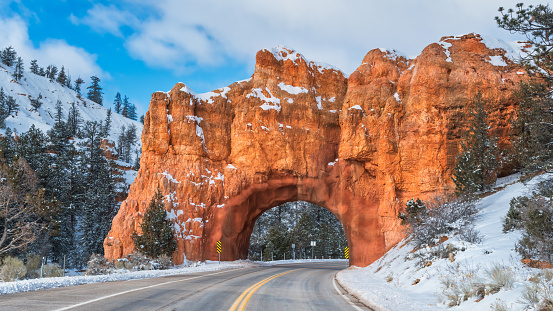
(297, 130)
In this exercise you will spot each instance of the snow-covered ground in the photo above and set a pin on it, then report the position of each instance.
(122, 275)
(398, 280)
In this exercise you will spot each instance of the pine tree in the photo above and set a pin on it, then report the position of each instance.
(74, 120)
(533, 126)
(107, 124)
(99, 204)
(42, 72)
(51, 72)
(95, 90)
(11, 104)
(19, 67)
(36, 102)
(8, 56)
(78, 83)
(476, 163)
(68, 82)
(3, 108)
(157, 236)
(117, 102)
(132, 112)
(126, 107)
(142, 119)
(62, 77)
(34, 67)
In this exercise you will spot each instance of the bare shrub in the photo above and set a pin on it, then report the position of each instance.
(443, 215)
(97, 265)
(470, 235)
(499, 305)
(123, 263)
(539, 293)
(51, 270)
(12, 269)
(500, 277)
(33, 265)
(162, 262)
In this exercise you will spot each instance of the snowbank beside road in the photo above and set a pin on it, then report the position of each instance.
(45, 283)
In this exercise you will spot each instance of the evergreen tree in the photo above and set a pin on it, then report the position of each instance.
(132, 112)
(126, 107)
(157, 236)
(36, 103)
(19, 67)
(117, 102)
(42, 72)
(142, 119)
(125, 142)
(3, 108)
(51, 72)
(32, 146)
(74, 120)
(11, 104)
(78, 83)
(94, 90)
(68, 82)
(62, 77)
(8, 56)
(476, 165)
(533, 126)
(34, 67)
(107, 124)
(99, 204)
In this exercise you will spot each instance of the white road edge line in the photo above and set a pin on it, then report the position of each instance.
(141, 288)
(346, 298)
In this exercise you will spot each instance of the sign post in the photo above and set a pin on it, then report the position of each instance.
(219, 250)
(346, 253)
(294, 251)
(313, 244)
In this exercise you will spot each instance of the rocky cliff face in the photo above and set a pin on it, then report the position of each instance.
(298, 130)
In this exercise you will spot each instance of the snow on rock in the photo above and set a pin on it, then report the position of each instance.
(397, 281)
(294, 90)
(446, 46)
(269, 103)
(284, 54)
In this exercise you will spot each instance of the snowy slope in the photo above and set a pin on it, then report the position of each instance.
(32, 85)
(397, 281)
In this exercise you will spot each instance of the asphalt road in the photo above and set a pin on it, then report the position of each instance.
(291, 287)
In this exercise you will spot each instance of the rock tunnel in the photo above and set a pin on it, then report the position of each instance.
(359, 146)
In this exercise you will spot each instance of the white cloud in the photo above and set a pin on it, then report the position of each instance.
(75, 59)
(106, 19)
(176, 34)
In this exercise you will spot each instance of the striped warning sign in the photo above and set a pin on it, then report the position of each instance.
(219, 247)
(346, 252)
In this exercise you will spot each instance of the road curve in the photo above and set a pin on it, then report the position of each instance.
(299, 286)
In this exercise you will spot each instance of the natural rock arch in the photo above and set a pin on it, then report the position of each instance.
(297, 130)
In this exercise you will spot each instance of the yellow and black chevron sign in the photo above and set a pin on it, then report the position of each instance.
(346, 252)
(219, 247)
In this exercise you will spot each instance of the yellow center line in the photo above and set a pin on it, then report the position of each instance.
(246, 295)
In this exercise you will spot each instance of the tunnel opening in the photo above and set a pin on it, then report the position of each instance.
(297, 230)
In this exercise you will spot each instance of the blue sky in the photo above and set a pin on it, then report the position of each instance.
(138, 47)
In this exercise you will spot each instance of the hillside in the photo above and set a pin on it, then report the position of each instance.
(407, 278)
(31, 86)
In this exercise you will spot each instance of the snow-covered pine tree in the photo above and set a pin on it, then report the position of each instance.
(62, 77)
(8, 56)
(34, 67)
(477, 161)
(157, 236)
(78, 83)
(74, 120)
(126, 107)
(95, 90)
(19, 67)
(51, 72)
(99, 205)
(117, 102)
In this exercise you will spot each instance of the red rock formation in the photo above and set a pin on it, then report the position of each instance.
(298, 130)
